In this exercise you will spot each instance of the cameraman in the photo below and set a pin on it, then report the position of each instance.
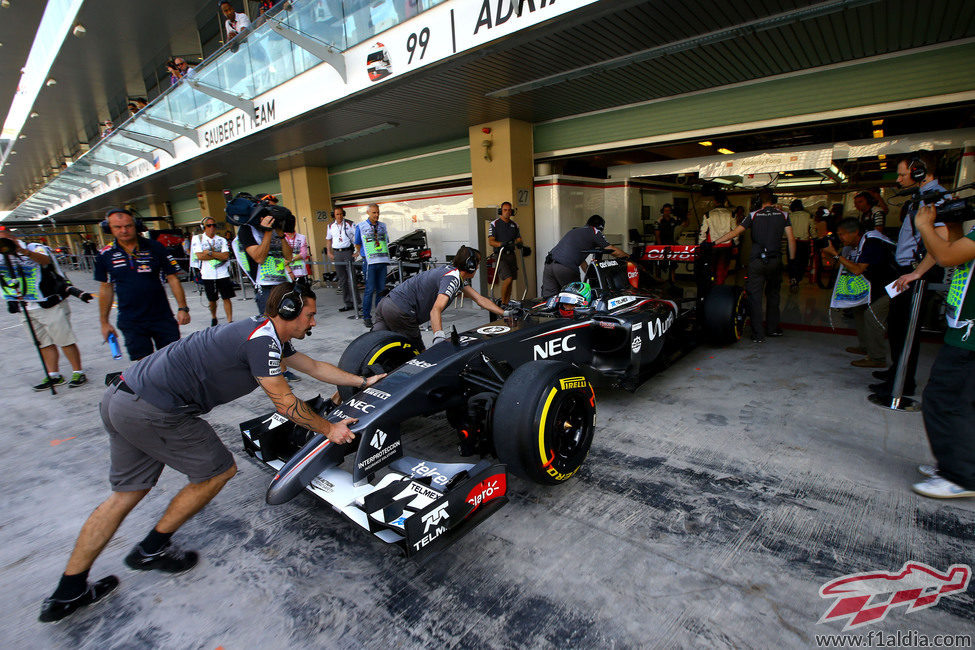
(948, 404)
(30, 276)
(268, 256)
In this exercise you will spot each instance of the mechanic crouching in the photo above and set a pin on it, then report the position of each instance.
(152, 414)
(424, 296)
(563, 262)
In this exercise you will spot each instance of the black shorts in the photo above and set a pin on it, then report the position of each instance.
(223, 286)
(140, 337)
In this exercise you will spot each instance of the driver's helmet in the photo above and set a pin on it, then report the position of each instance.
(574, 296)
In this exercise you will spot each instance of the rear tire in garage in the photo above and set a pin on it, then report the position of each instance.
(388, 350)
(724, 314)
(544, 420)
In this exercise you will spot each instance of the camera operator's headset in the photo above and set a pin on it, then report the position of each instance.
(917, 169)
(139, 226)
(473, 260)
(291, 303)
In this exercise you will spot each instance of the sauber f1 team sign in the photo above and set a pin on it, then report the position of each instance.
(450, 28)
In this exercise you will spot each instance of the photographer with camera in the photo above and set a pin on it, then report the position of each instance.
(767, 225)
(267, 255)
(948, 404)
(915, 172)
(152, 413)
(30, 276)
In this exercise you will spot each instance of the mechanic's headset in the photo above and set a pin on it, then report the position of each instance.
(139, 226)
(917, 169)
(291, 304)
(473, 260)
(514, 210)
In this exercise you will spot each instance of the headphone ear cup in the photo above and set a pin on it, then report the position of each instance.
(918, 170)
(291, 305)
(105, 227)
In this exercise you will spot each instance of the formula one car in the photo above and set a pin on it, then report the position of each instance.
(519, 391)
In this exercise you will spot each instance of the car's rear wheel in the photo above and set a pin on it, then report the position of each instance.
(373, 351)
(544, 420)
(724, 314)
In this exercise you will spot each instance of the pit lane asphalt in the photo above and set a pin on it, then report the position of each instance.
(714, 504)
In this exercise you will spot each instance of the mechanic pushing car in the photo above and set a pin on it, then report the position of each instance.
(152, 415)
(424, 296)
(563, 262)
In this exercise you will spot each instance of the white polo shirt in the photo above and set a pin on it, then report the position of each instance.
(342, 236)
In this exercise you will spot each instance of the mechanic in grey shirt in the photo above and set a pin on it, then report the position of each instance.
(152, 414)
(563, 262)
(424, 296)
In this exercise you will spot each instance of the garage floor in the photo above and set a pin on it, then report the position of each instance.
(715, 503)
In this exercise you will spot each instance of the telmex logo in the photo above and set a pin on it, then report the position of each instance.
(434, 517)
(573, 382)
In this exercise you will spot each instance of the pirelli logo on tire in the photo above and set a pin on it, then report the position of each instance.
(573, 382)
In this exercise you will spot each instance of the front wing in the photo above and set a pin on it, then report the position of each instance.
(419, 505)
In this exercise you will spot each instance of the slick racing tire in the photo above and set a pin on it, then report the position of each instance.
(385, 349)
(544, 420)
(724, 314)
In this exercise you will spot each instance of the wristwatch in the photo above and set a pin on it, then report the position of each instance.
(364, 383)
(186, 309)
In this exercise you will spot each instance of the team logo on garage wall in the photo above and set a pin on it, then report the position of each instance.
(378, 64)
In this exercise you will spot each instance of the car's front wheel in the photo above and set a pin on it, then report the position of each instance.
(382, 350)
(544, 421)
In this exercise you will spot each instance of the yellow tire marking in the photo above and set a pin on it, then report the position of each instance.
(541, 425)
(381, 350)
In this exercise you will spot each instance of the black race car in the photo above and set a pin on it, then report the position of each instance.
(521, 392)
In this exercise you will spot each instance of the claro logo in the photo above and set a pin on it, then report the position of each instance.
(555, 347)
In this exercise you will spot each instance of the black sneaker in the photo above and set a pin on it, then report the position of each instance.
(168, 560)
(54, 610)
(366, 321)
(213, 322)
(758, 339)
(77, 379)
(290, 376)
(777, 333)
(48, 382)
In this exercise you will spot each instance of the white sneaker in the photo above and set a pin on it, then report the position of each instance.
(930, 471)
(941, 488)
